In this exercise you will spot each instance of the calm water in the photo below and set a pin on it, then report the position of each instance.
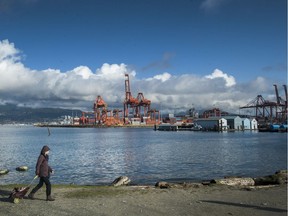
(97, 156)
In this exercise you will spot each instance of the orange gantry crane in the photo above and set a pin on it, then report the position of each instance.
(100, 110)
(142, 102)
(139, 107)
(101, 115)
(130, 101)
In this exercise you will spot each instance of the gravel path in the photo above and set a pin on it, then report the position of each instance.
(148, 200)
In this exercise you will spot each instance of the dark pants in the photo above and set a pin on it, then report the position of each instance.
(40, 184)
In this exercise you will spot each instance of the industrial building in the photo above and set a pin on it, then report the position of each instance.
(212, 123)
(249, 124)
(234, 122)
(227, 123)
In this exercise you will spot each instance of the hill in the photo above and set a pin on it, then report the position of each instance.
(11, 113)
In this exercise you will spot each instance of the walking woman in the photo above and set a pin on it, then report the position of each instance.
(43, 171)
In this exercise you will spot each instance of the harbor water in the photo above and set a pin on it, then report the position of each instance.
(96, 156)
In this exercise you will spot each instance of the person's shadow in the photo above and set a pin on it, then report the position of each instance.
(271, 209)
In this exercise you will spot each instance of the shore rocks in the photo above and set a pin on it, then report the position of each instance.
(162, 184)
(280, 177)
(122, 180)
(4, 171)
(22, 168)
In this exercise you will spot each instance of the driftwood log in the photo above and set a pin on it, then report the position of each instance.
(122, 180)
(280, 177)
(231, 181)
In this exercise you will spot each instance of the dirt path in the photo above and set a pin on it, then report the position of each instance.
(147, 200)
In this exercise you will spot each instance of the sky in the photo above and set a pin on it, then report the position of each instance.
(178, 53)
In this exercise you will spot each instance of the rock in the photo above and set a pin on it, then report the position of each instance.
(22, 168)
(162, 184)
(4, 171)
(235, 181)
(280, 177)
(281, 172)
(122, 180)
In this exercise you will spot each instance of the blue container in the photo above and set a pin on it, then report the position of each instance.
(274, 127)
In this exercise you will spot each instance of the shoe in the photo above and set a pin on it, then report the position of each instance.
(49, 198)
(31, 196)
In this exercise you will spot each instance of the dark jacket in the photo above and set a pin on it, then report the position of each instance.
(42, 167)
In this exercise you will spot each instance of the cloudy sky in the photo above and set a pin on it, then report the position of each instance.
(179, 53)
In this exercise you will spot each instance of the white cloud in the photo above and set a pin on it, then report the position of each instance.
(83, 71)
(8, 51)
(162, 77)
(79, 87)
(114, 71)
(230, 80)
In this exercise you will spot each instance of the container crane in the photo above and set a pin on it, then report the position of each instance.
(285, 90)
(263, 108)
(129, 101)
(268, 110)
(143, 102)
(281, 112)
(277, 94)
(285, 109)
(100, 110)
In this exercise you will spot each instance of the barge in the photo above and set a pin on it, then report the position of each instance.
(179, 127)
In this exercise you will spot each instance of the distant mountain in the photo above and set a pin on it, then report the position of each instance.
(13, 114)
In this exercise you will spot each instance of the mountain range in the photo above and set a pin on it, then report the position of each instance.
(11, 113)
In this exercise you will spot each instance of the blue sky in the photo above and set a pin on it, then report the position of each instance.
(184, 41)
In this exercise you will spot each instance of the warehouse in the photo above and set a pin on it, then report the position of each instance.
(213, 123)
